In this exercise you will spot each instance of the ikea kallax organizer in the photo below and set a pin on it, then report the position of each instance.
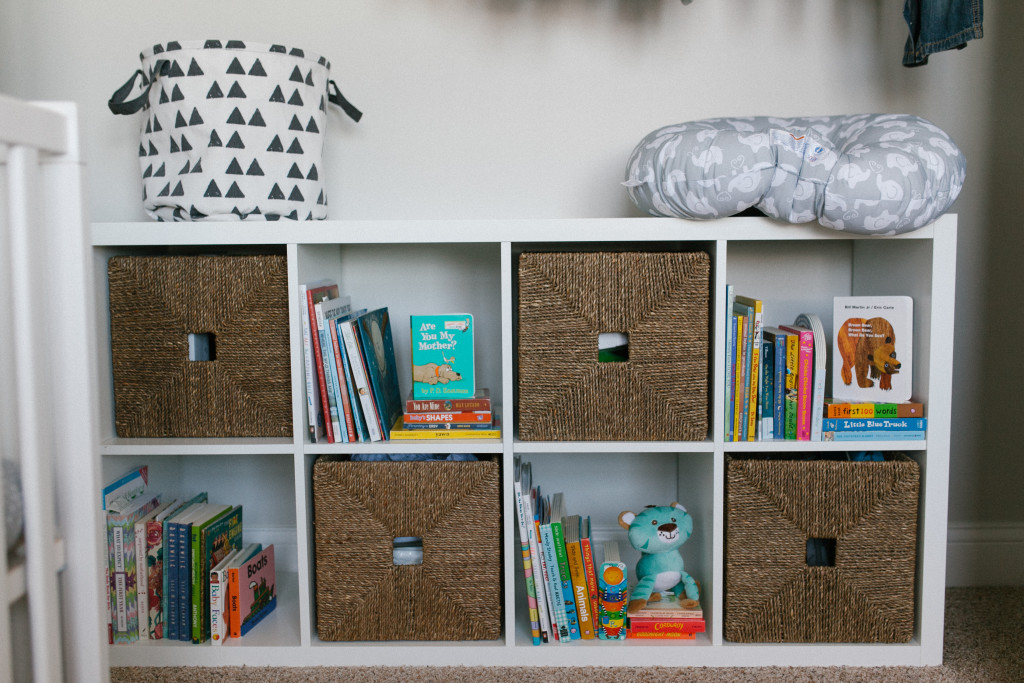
(470, 265)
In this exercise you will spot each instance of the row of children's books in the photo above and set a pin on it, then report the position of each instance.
(570, 595)
(161, 557)
(352, 389)
(778, 384)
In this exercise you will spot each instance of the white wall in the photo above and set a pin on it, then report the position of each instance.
(529, 108)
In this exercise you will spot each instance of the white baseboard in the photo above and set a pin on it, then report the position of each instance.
(985, 554)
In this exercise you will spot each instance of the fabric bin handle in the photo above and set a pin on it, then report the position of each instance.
(119, 102)
(334, 96)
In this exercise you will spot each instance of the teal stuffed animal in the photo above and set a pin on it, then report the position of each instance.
(657, 533)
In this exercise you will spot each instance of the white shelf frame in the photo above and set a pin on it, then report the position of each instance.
(291, 648)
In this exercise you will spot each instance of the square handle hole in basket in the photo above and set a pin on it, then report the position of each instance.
(821, 552)
(202, 346)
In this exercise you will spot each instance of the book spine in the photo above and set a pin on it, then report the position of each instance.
(170, 605)
(539, 580)
(874, 435)
(217, 622)
(154, 579)
(866, 424)
(451, 417)
(574, 555)
(119, 617)
(321, 376)
(565, 578)
(312, 390)
(493, 433)
(355, 411)
(361, 381)
(184, 582)
(667, 626)
(879, 410)
(737, 433)
(780, 388)
(730, 359)
(754, 381)
(338, 384)
(792, 367)
(766, 399)
(234, 609)
(345, 407)
(141, 580)
(659, 635)
(804, 377)
(554, 583)
(591, 579)
(329, 375)
(414, 405)
(524, 547)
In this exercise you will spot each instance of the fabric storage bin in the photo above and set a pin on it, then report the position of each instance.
(659, 300)
(360, 508)
(780, 512)
(199, 346)
(233, 130)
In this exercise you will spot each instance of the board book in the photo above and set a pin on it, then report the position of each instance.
(257, 591)
(872, 348)
(443, 356)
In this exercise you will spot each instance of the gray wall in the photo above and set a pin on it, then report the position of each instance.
(529, 108)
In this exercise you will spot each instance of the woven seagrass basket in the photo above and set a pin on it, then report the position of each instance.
(360, 508)
(240, 303)
(660, 300)
(774, 507)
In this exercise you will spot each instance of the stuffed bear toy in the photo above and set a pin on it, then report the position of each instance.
(658, 532)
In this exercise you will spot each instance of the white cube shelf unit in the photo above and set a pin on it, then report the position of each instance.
(470, 266)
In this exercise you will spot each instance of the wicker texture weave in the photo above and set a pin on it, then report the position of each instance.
(156, 302)
(773, 507)
(659, 299)
(361, 507)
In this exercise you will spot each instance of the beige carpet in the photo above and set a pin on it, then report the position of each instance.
(984, 642)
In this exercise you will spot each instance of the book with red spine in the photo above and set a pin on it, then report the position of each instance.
(481, 400)
(315, 293)
(452, 417)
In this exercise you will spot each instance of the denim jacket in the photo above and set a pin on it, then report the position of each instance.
(937, 25)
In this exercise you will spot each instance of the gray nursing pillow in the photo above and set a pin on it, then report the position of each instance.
(877, 174)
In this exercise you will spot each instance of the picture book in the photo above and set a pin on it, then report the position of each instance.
(142, 563)
(578, 575)
(377, 344)
(443, 356)
(218, 598)
(129, 485)
(122, 514)
(481, 400)
(316, 390)
(532, 533)
(232, 608)
(872, 348)
(203, 515)
(156, 568)
(562, 558)
(340, 374)
(753, 334)
(453, 418)
(804, 377)
(400, 430)
(820, 362)
(333, 419)
(730, 358)
(257, 590)
(168, 603)
(357, 364)
(216, 540)
(524, 549)
(835, 408)
(778, 340)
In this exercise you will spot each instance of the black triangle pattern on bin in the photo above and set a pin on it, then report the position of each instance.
(294, 172)
(295, 124)
(235, 45)
(309, 79)
(254, 168)
(179, 121)
(163, 99)
(152, 149)
(236, 67)
(195, 119)
(312, 175)
(198, 168)
(194, 69)
(236, 141)
(276, 145)
(311, 127)
(185, 146)
(166, 191)
(277, 95)
(176, 94)
(186, 168)
(175, 70)
(236, 118)
(160, 172)
(235, 192)
(295, 147)
(295, 99)
(148, 172)
(234, 168)
(173, 45)
(215, 140)
(211, 44)
(279, 48)
(257, 120)
(212, 190)
(275, 192)
(142, 150)
(149, 126)
(156, 124)
(178, 191)
(215, 92)
(296, 196)
(257, 69)
(296, 75)
(174, 146)
(236, 91)
(196, 213)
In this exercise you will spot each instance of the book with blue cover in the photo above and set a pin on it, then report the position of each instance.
(443, 356)
(374, 330)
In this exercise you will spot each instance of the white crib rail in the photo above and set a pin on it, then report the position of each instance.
(49, 381)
